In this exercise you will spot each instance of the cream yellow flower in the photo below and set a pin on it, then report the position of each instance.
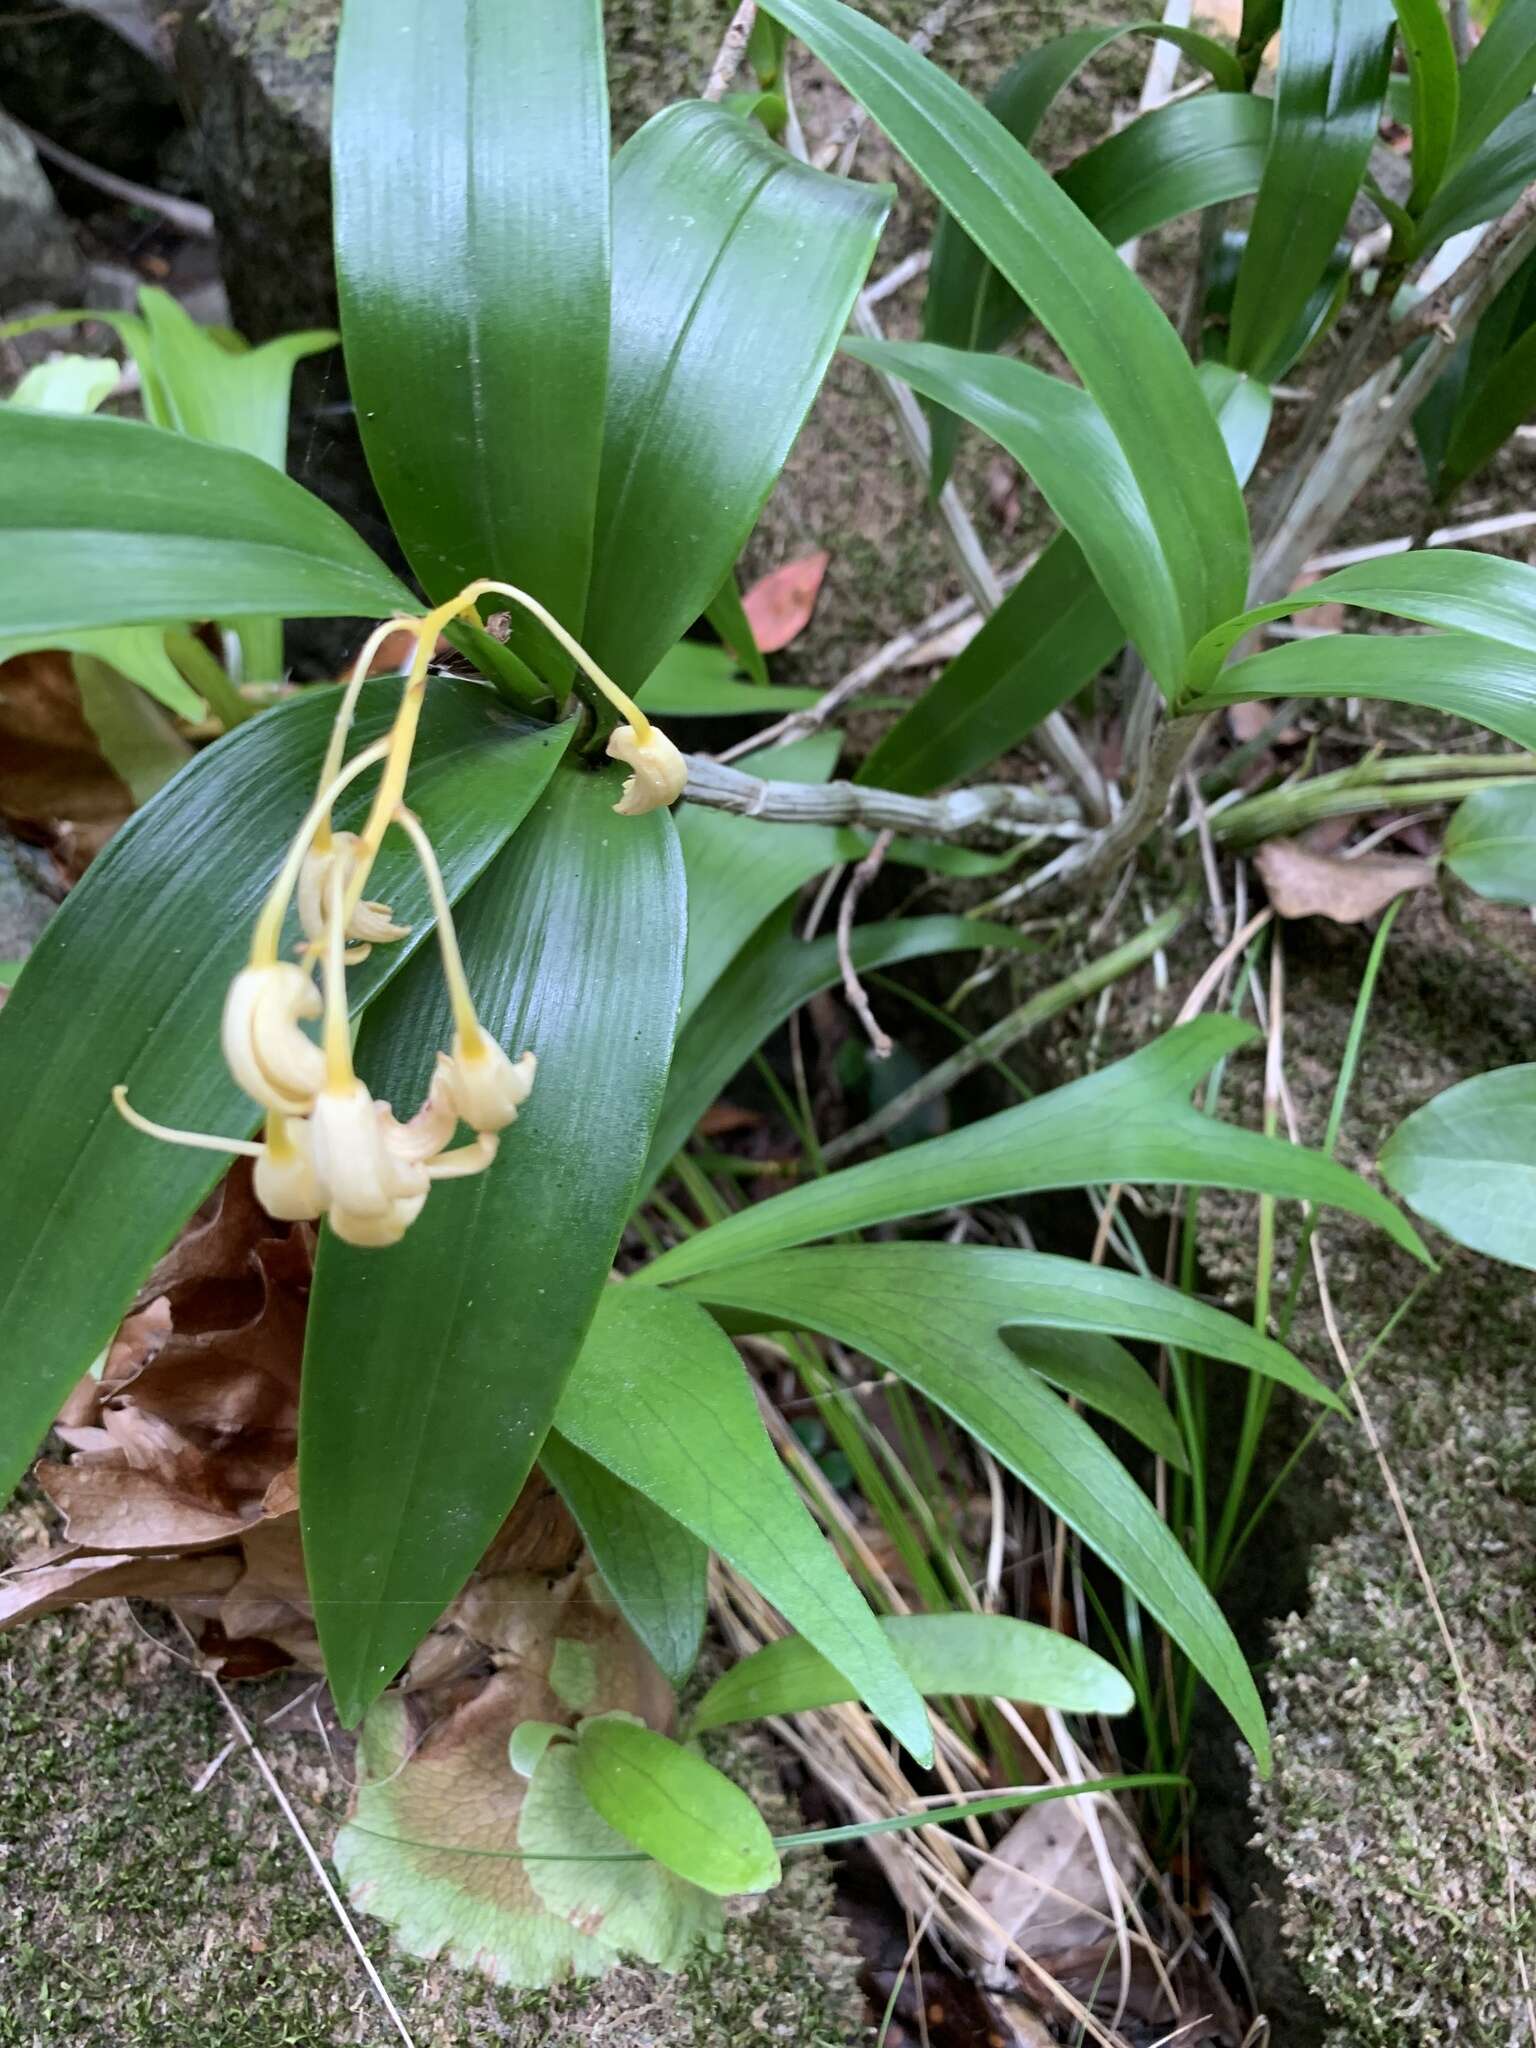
(266, 1050)
(370, 924)
(485, 1086)
(661, 773)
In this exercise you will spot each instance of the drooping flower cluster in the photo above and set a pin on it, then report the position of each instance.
(328, 1147)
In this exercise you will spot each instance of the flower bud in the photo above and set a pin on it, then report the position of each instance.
(485, 1087)
(352, 1161)
(269, 1056)
(660, 770)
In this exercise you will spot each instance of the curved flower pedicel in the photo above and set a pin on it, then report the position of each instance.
(329, 1149)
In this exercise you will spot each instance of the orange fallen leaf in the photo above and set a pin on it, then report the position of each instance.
(779, 605)
(1306, 884)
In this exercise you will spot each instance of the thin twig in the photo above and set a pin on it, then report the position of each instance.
(858, 1001)
(185, 215)
(311, 1853)
(997, 809)
(733, 48)
(1008, 1032)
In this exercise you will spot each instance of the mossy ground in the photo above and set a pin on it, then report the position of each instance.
(138, 1912)
(1382, 1872)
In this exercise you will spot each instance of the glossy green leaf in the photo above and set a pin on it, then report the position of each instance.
(766, 983)
(1466, 1162)
(1484, 184)
(1103, 1375)
(1499, 75)
(968, 304)
(676, 1807)
(993, 1288)
(1455, 588)
(655, 1569)
(1056, 433)
(137, 652)
(474, 285)
(573, 944)
(740, 869)
(108, 522)
(1176, 160)
(720, 238)
(1498, 389)
(1129, 1122)
(1334, 60)
(660, 1397)
(127, 984)
(1491, 844)
(696, 680)
(1435, 82)
(1112, 332)
(1457, 673)
(935, 1339)
(1050, 637)
(945, 1655)
(727, 614)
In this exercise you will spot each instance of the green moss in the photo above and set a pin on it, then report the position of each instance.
(1387, 1877)
(136, 1912)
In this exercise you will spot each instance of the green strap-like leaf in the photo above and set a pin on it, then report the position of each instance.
(1176, 160)
(676, 1807)
(968, 304)
(1456, 588)
(726, 613)
(108, 522)
(720, 239)
(1457, 673)
(135, 651)
(1112, 332)
(994, 1288)
(1499, 388)
(1104, 1376)
(936, 1341)
(1485, 183)
(128, 982)
(1435, 82)
(767, 982)
(1131, 1122)
(474, 285)
(1061, 439)
(697, 680)
(573, 944)
(1048, 639)
(1499, 75)
(660, 1397)
(945, 1656)
(1334, 59)
(1491, 844)
(656, 1570)
(1467, 1163)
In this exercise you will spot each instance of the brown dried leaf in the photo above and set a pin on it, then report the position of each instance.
(1306, 884)
(119, 1508)
(1044, 1886)
(56, 787)
(779, 605)
(65, 1580)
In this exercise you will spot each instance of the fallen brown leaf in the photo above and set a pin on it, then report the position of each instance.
(56, 787)
(1306, 884)
(779, 605)
(65, 1580)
